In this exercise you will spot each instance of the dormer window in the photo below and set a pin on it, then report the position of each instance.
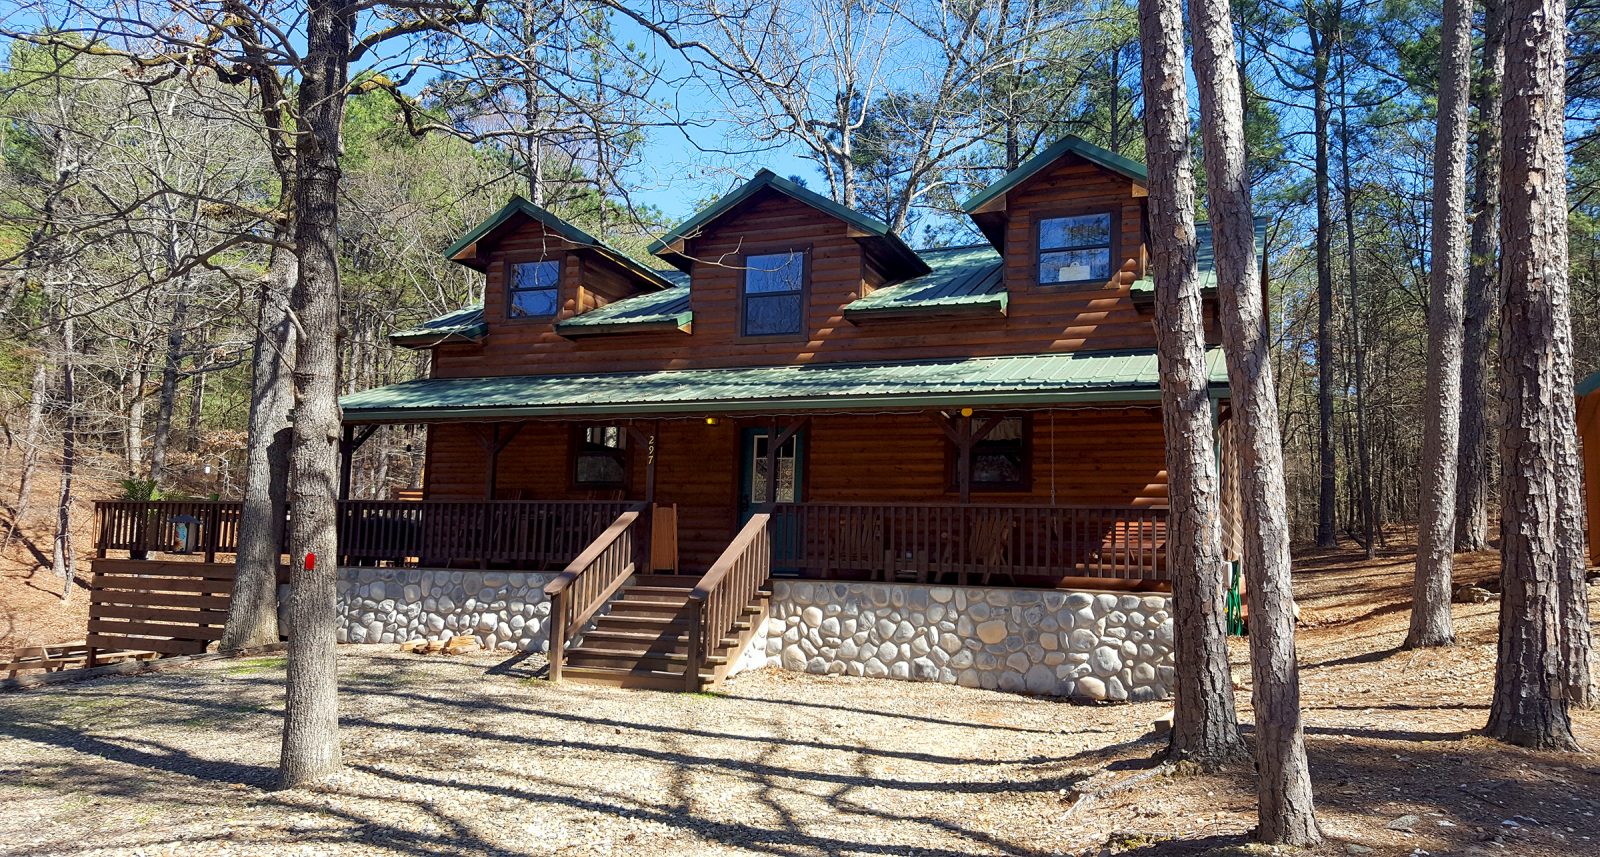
(774, 293)
(531, 289)
(1075, 250)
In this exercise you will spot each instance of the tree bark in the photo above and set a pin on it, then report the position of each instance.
(1358, 354)
(1441, 402)
(1472, 476)
(1532, 686)
(311, 721)
(253, 612)
(63, 557)
(166, 405)
(1283, 783)
(1205, 726)
(1327, 494)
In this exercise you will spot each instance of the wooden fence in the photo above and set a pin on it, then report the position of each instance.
(172, 608)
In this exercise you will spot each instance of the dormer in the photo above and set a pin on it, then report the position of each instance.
(775, 260)
(540, 270)
(1069, 218)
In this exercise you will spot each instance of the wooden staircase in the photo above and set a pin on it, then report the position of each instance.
(642, 640)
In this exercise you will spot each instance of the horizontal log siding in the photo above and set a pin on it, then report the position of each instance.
(1038, 321)
(1102, 457)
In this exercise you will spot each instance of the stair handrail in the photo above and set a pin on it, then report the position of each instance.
(717, 601)
(588, 582)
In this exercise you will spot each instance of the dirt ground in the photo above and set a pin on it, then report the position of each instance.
(472, 756)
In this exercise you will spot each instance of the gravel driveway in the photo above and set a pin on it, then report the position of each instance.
(468, 756)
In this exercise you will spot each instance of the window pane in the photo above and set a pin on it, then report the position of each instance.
(603, 436)
(533, 303)
(1087, 230)
(536, 275)
(774, 272)
(1074, 266)
(599, 469)
(765, 314)
(996, 466)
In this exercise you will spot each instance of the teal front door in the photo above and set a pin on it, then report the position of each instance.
(753, 470)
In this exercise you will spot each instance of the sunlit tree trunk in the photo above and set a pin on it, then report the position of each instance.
(1441, 398)
(1538, 564)
(1283, 782)
(1205, 726)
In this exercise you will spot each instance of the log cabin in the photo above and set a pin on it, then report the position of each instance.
(789, 428)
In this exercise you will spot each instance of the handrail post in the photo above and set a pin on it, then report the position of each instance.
(691, 674)
(558, 634)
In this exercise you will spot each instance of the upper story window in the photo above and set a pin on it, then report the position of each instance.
(531, 289)
(601, 457)
(774, 293)
(1075, 249)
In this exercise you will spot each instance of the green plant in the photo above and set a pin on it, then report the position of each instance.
(134, 488)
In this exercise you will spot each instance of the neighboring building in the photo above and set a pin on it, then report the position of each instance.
(1589, 449)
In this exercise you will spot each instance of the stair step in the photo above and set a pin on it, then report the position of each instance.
(646, 608)
(621, 621)
(589, 655)
(642, 593)
(642, 679)
(677, 581)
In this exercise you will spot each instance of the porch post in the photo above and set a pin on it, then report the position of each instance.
(772, 462)
(347, 451)
(964, 460)
(644, 549)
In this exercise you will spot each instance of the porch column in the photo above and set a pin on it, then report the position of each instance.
(348, 445)
(775, 442)
(962, 435)
(492, 443)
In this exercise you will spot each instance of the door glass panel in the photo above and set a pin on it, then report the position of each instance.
(758, 469)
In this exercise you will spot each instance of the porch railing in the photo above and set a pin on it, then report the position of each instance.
(141, 526)
(524, 533)
(589, 581)
(719, 599)
(969, 543)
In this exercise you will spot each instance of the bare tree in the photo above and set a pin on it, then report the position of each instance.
(1205, 726)
(1430, 596)
(1283, 784)
(1538, 650)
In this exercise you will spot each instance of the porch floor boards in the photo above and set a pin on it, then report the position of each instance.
(642, 641)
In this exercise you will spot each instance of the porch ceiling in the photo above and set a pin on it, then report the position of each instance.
(1021, 380)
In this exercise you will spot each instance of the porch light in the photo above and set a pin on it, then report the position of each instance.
(966, 412)
(711, 421)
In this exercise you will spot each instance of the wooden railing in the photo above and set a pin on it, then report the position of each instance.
(529, 534)
(962, 543)
(589, 582)
(427, 532)
(719, 599)
(141, 526)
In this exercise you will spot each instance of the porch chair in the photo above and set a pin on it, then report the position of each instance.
(991, 546)
(858, 545)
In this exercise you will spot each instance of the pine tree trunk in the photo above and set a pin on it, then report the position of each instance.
(167, 403)
(1472, 476)
(63, 559)
(1532, 686)
(253, 613)
(1205, 725)
(1441, 403)
(311, 721)
(1283, 782)
(1327, 494)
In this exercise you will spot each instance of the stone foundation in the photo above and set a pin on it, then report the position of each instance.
(504, 610)
(1084, 645)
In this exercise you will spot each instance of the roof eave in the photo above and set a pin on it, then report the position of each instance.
(1019, 398)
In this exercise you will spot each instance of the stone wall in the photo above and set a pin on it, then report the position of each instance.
(1085, 645)
(504, 610)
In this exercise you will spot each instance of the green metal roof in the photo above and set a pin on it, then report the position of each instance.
(653, 311)
(1205, 261)
(765, 179)
(1066, 145)
(963, 279)
(462, 325)
(1022, 380)
(518, 206)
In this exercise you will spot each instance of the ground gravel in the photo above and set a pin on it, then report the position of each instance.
(473, 755)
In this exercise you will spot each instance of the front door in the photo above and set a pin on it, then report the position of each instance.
(753, 470)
